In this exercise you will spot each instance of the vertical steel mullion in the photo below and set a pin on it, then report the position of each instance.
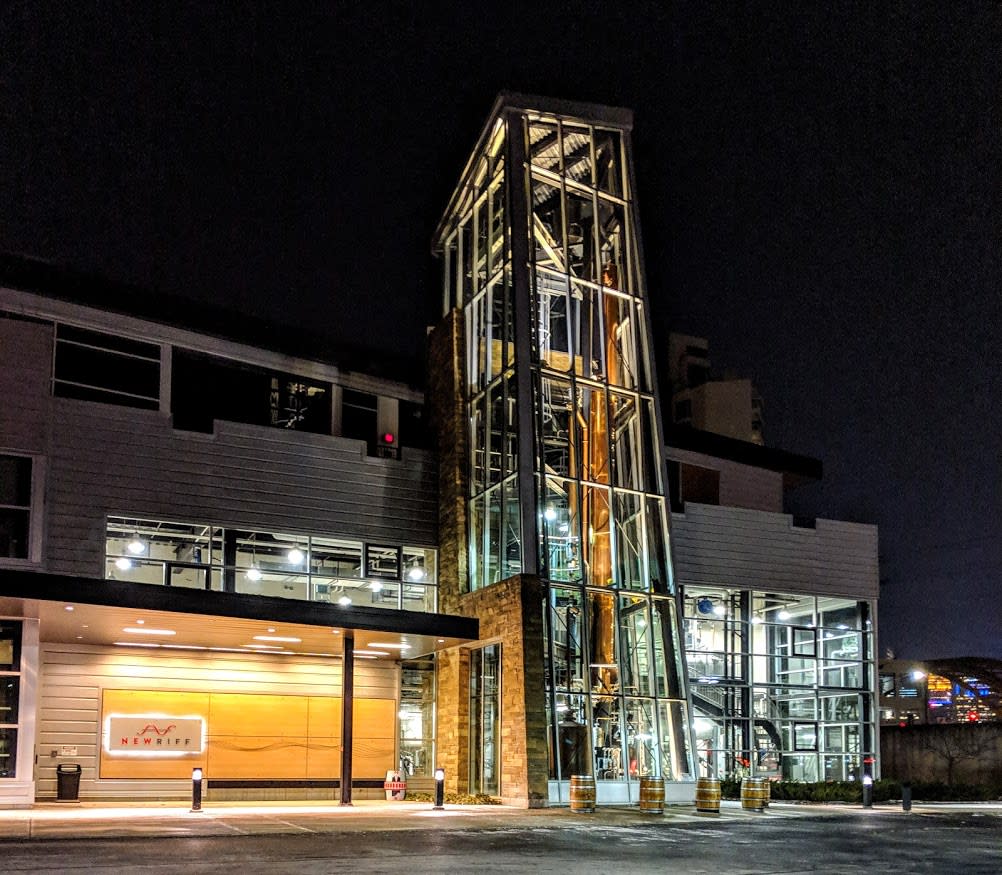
(518, 211)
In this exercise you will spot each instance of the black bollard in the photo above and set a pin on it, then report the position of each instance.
(906, 796)
(196, 790)
(439, 789)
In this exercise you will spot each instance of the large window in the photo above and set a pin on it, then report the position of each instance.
(280, 564)
(780, 683)
(95, 366)
(485, 720)
(15, 507)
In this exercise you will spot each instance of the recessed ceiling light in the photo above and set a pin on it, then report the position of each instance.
(277, 638)
(135, 630)
(391, 646)
(69, 608)
(336, 631)
(441, 641)
(363, 656)
(271, 629)
(368, 652)
(140, 622)
(263, 646)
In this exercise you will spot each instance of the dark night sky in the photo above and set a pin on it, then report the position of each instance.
(819, 189)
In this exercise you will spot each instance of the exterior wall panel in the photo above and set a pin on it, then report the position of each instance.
(747, 548)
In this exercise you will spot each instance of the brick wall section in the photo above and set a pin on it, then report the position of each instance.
(510, 612)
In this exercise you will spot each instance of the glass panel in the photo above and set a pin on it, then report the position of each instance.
(571, 754)
(495, 524)
(667, 666)
(641, 738)
(607, 732)
(624, 429)
(512, 529)
(479, 448)
(566, 624)
(477, 528)
(657, 546)
(14, 533)
(561, 530)
(674, 741)
(15, 480)
(418, 598)
(557, 424)
(576, 144)
(496, 239)
(417, 716)
(8, 753)
(552, 325)
(630, 541)
(9, 696)
(548, 228)
(598, 544)
(485, 720)
(382, 561)
(591, 435)
(332, 557)
(10, 645)
(419, 565)
(621, 350)
(604, 672)
(608, 162)
(635, 642)
(510, 426)
(581, 236)
(544, 149)
(497, 413)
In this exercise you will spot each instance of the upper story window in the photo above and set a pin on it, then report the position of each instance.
(95, 366)
(15, 507)
(359, 416)
(308, 567)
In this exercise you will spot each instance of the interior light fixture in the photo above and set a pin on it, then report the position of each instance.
(136, 630)
(376, 586)
(69, 608)
(136, 545)
(391, 646)
(757, 620)
(282, 638)
(253, 574)
(369, 652)
(784, 615)
(549, 514)
(123, 563)
(344, 601)
(295, 556)
(416, 572)
(719, 610)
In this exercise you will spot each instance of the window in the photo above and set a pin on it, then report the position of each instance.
(683, 410)
(701, 485)
(94, 366)
(358, 416)
(15, 507)
(10, 683)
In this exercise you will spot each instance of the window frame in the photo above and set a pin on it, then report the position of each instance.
(34, 510)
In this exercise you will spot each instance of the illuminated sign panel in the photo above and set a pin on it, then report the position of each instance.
(153, 735)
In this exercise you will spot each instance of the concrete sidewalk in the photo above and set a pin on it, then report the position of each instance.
(173, 819)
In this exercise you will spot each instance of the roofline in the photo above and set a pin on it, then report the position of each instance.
(510, 101)
(796, 469)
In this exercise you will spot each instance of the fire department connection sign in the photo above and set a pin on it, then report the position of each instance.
(153, 735)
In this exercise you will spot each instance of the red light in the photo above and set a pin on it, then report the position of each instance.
(388, 438)
(902, 724)
(972, 716)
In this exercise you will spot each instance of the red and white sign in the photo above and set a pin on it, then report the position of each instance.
(153, 735)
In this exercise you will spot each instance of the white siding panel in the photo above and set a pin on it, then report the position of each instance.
(742, 486)
(748, 548)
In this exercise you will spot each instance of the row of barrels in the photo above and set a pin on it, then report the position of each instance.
(754, 794)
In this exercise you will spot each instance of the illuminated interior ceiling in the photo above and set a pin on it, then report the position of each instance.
(104, 625)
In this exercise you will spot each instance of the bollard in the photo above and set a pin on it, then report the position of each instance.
(196, 790)
(906, 796)
(867, 791)
(439, 790)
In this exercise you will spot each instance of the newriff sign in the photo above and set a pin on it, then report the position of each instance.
(153, 734)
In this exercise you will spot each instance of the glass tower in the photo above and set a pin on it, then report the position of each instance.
(565, 470)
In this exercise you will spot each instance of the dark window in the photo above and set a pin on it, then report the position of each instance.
(701, 485)
(94, 366)
(15, 507)
(413, 425)
(683, 410)
(674, 494)
(204, 389)
(358, 417)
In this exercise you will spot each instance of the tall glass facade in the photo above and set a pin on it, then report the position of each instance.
(566, 473)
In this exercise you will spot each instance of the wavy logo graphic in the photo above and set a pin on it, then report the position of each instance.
(153, 727)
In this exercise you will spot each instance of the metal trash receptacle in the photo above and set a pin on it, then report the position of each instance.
(68, 782)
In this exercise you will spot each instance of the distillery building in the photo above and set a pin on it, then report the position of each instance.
(298, 577)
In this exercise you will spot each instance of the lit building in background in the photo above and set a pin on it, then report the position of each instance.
(965, 690)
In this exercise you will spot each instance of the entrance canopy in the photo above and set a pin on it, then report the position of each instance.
(80, 610)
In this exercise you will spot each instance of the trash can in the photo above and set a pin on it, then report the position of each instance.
(395, 786)
(68, 782)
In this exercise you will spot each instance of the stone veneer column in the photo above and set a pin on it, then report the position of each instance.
(510, 612)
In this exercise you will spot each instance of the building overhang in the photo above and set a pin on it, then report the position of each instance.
(80, 610)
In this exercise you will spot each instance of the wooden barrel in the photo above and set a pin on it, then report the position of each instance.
(754, 793)
(708, 795)
(652, 795)
(582, 793)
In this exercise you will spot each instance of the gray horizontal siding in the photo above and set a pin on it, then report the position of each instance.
(112, 460)
(747, 548)
(25, 365)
